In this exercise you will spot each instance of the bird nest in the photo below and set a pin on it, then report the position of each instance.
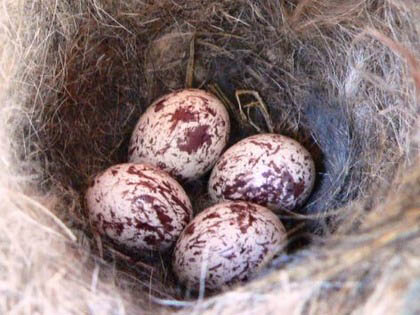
(341, 77)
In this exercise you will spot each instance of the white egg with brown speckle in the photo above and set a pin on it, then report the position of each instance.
(227, 243)
(138, 206)
(182, 133)
(269, 169)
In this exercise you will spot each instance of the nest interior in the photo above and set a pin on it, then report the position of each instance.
(340, 77)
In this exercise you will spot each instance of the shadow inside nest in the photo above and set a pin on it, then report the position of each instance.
(107, 87)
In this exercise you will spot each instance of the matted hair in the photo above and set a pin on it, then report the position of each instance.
(341, 77)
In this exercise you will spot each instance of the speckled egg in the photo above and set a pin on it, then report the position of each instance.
(269, 169)
(226, 244)
(182, 133)
(138, 206)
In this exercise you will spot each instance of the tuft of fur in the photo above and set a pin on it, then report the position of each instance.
(340, 77)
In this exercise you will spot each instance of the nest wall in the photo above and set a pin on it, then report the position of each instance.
(341, 77)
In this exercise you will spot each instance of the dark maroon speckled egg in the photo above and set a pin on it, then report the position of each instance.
(227, 243)
(182, 133)
(269, 169)
(138, 206)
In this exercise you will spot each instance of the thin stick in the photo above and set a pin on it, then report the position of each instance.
(98, 241)
(215, 89)
(260, 105)
(189, 78)
(174, 303)
(203, 273)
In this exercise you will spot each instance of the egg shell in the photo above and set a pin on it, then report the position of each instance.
(230, 241)
(138, 206)
(269, 169)
(182, 133)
